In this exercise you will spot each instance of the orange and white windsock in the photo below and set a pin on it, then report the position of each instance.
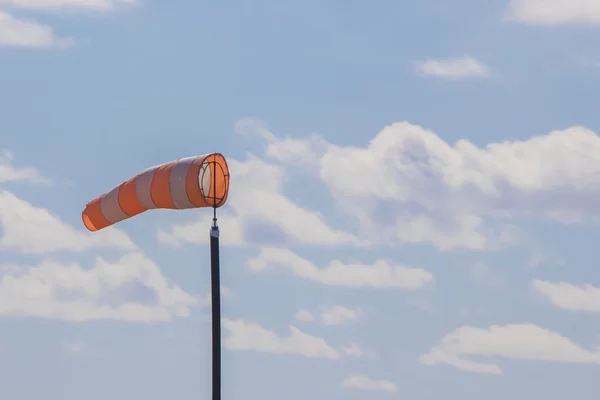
(193, 182)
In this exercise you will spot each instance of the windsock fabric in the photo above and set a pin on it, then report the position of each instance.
(193, 182)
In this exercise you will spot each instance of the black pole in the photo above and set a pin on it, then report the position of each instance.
(216, 310)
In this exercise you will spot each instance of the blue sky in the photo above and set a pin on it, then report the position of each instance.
(413, 209)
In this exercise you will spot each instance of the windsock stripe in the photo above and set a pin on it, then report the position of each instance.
(110, 207)
(92, 216)
(143, 183)
(178, 183)
(160, 189)
(128, 199)
(192, 185)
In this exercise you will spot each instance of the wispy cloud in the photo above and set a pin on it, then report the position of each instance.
(454, 68)
(365, 383)
(253, 337)
(517, 342)
(11, 173)
(381, 274)
(16, 32)
(130, 289)
(95, 5)
(568, 296)
(34, 230)
(337, 315)
(331, 315)
(554, 12)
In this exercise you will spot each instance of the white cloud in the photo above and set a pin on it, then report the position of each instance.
(94, 5)
(10, 173)
(363, 183)
(337, 315)
(261, 214)
(518, 342)
(304, 315)
(253, 337)
(568, 296)
(29, 229)
(290, 150)
(445, 231)
(332, 315)
(131, 289)
(381, 274)
(25, 33)
(366, 383)
(554, 12)
(454, 68)
(408, 173)
(355, 351)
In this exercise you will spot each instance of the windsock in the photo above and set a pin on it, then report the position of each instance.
(193, 182)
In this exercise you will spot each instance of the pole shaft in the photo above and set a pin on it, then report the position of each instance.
(216, 312)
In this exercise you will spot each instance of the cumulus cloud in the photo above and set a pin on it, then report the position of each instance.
(569, 296)
(93, 5)
(390, 189)
(554, 12)
(365, 383)
(15, 32)
(411, 177)
(11, 173)
(381, 274)
(445, 231)
(33, 230)
(331, 315)
(338, 315)
(355, 351)
(260, 214)
(301, 151)
(408, 184)
(454, 68)
(130, 289)
(246, 336)
(517, 342)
